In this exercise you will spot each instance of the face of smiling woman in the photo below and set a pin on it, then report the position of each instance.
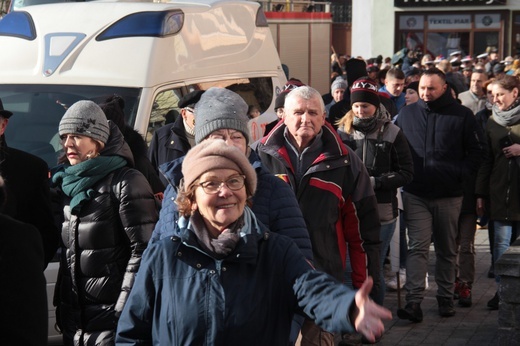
(221, 209)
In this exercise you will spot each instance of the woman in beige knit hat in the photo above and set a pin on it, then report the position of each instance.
(227, 280)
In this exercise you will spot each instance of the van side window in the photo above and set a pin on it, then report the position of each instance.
(165, 110)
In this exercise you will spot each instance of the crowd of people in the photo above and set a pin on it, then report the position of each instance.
(208, 238)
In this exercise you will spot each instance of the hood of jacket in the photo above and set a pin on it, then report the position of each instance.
(116, 145)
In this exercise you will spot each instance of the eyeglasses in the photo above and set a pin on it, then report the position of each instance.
(234, 183)
(189, 109)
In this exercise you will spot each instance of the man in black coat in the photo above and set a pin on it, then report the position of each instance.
(447, 147)
(27, 187)
(174, 140)
(23, 293)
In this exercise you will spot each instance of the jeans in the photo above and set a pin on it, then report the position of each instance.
(503, 232)
(424, 217)
(466, 245)
(386, 234)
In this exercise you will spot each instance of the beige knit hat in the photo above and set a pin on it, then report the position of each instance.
(213, 154)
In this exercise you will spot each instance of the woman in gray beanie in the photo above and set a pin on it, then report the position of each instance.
(109, 215)
(225, 279)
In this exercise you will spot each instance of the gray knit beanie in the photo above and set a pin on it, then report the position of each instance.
(85, 118)
(339, 83)
(220, 108)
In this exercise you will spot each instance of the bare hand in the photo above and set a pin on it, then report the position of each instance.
(368, 319)
(512, 151)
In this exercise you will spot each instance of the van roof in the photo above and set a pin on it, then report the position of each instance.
(69, 48)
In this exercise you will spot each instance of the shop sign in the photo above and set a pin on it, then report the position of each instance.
(449, 21)
(447, 3)
(487, 21)
(411, 22)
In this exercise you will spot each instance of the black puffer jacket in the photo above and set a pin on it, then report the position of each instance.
(102, 250)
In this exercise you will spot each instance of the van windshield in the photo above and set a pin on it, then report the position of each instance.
(38, 109)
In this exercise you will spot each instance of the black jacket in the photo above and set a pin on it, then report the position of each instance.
(23, 292)
(446, 144)
(102, 249)
(387, 157)
(28, 198)
(168, 143)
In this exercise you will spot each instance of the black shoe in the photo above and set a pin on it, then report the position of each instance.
(491, 272)
(412, 312)
(446, 308)
(493, 303)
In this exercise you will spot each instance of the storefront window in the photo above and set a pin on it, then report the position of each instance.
(443, 33)
(482, 40)
(443, 43)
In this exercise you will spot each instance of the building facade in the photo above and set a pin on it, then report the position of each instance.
(434, 26)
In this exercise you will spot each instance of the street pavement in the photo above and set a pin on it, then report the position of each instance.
(476, 325)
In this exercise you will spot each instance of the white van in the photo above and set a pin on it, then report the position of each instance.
(150, 53)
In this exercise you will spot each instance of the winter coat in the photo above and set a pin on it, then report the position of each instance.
(183, 296)
(142, 163)
(337, 202)
(102, 250)
(446, 144)
(388, 160)
(498, 179)
(274, 204)
(168, 143)
(28, 197)
(23, 290)
(472, 101)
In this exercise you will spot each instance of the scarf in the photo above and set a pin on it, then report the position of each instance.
(367, 125)
(77, 181)
(509, 116)
(227, 240)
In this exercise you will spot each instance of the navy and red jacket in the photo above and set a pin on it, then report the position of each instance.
(337, 202)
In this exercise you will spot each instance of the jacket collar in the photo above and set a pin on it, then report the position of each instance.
(333, 147)
(444, 101)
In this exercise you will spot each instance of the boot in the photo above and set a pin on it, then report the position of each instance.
(412, 312)
(446, 308)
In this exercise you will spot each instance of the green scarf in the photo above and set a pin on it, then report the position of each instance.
(76, 181)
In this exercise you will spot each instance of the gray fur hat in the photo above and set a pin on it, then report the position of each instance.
(220, 108)
(85, 118)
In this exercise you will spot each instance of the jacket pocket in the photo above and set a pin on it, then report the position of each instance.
(386, 212)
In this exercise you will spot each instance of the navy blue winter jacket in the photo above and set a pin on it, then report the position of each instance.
(274, 204)
(183, 296)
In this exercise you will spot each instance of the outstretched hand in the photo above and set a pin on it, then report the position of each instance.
(368, 318)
